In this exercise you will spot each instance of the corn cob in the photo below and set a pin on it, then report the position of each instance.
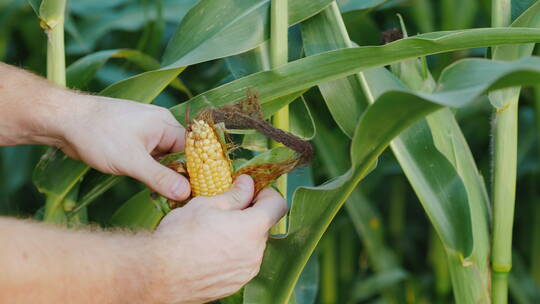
(207, 164)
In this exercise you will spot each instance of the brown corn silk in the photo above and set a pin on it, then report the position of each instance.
(246, 114)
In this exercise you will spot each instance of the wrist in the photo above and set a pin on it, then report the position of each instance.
(49, 118)
(167, 283)
(154, 269)
(137, 274)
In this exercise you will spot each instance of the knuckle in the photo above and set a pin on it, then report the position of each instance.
(236, 197)
(161, 177)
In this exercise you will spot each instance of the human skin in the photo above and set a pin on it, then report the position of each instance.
(203, 251)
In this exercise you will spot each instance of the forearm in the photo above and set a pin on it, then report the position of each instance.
(44, 264)
(32, 110)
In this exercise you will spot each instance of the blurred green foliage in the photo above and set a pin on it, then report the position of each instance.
(346, 275)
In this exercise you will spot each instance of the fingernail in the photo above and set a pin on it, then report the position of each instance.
(180, 189)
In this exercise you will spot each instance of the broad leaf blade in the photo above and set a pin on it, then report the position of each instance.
(382, 121)
(242, 24)
(307, 72)
(344, 97)
(141, 211)
(82, 71)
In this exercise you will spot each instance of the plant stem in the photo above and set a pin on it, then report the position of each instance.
(329, 286)
(278, 56)
(52, 21)
(504, 188)
(51, 14)
(56, 66)
(501, 13)
(504, 168)
(54, 211)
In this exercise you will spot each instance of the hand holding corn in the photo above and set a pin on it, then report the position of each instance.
(228, 237)
(111, 135)
(203, 251)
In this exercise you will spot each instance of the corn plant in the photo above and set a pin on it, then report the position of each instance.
(322, 73)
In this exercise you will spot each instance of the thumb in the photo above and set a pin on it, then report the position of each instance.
(238, 197)
(161, 179)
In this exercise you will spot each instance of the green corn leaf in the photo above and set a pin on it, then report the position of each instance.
(142, 211)
(98, 19)
(439, 165)
(236, 298)
(366, 288)
(346, 101)
(344, 97)
(82, 71)
(458, 14)
(381, 122)
(301, 74)
(243, 24)
(529, 18)
(275, 85)
(353, 5)
(520, 6)
(305, 291)
(92, 6)
(257, 60)
(35, 4)
(332, 149)
(302, 124)
(51, 11)
(274, 155)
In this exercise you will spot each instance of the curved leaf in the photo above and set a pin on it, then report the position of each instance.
(277, 154)
(82, 71)
(258, 60)
(242, 24)
(441, 169)
(519, 6)
(344, 97)
(389, 115)
(353, 5)
(141, 211)
(96, 22)
(307, 72)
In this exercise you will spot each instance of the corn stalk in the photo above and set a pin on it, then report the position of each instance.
(504, 168)
(51, 14)
(279, 18)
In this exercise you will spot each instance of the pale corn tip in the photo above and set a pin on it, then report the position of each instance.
(208, 166)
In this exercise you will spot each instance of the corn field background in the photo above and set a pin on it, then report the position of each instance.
(412, 107)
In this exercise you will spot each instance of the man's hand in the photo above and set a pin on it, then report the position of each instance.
(214, 245)
(121, 137)
(203, 251)
(112, 135)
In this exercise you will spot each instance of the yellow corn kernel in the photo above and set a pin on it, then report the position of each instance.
(208, 166)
